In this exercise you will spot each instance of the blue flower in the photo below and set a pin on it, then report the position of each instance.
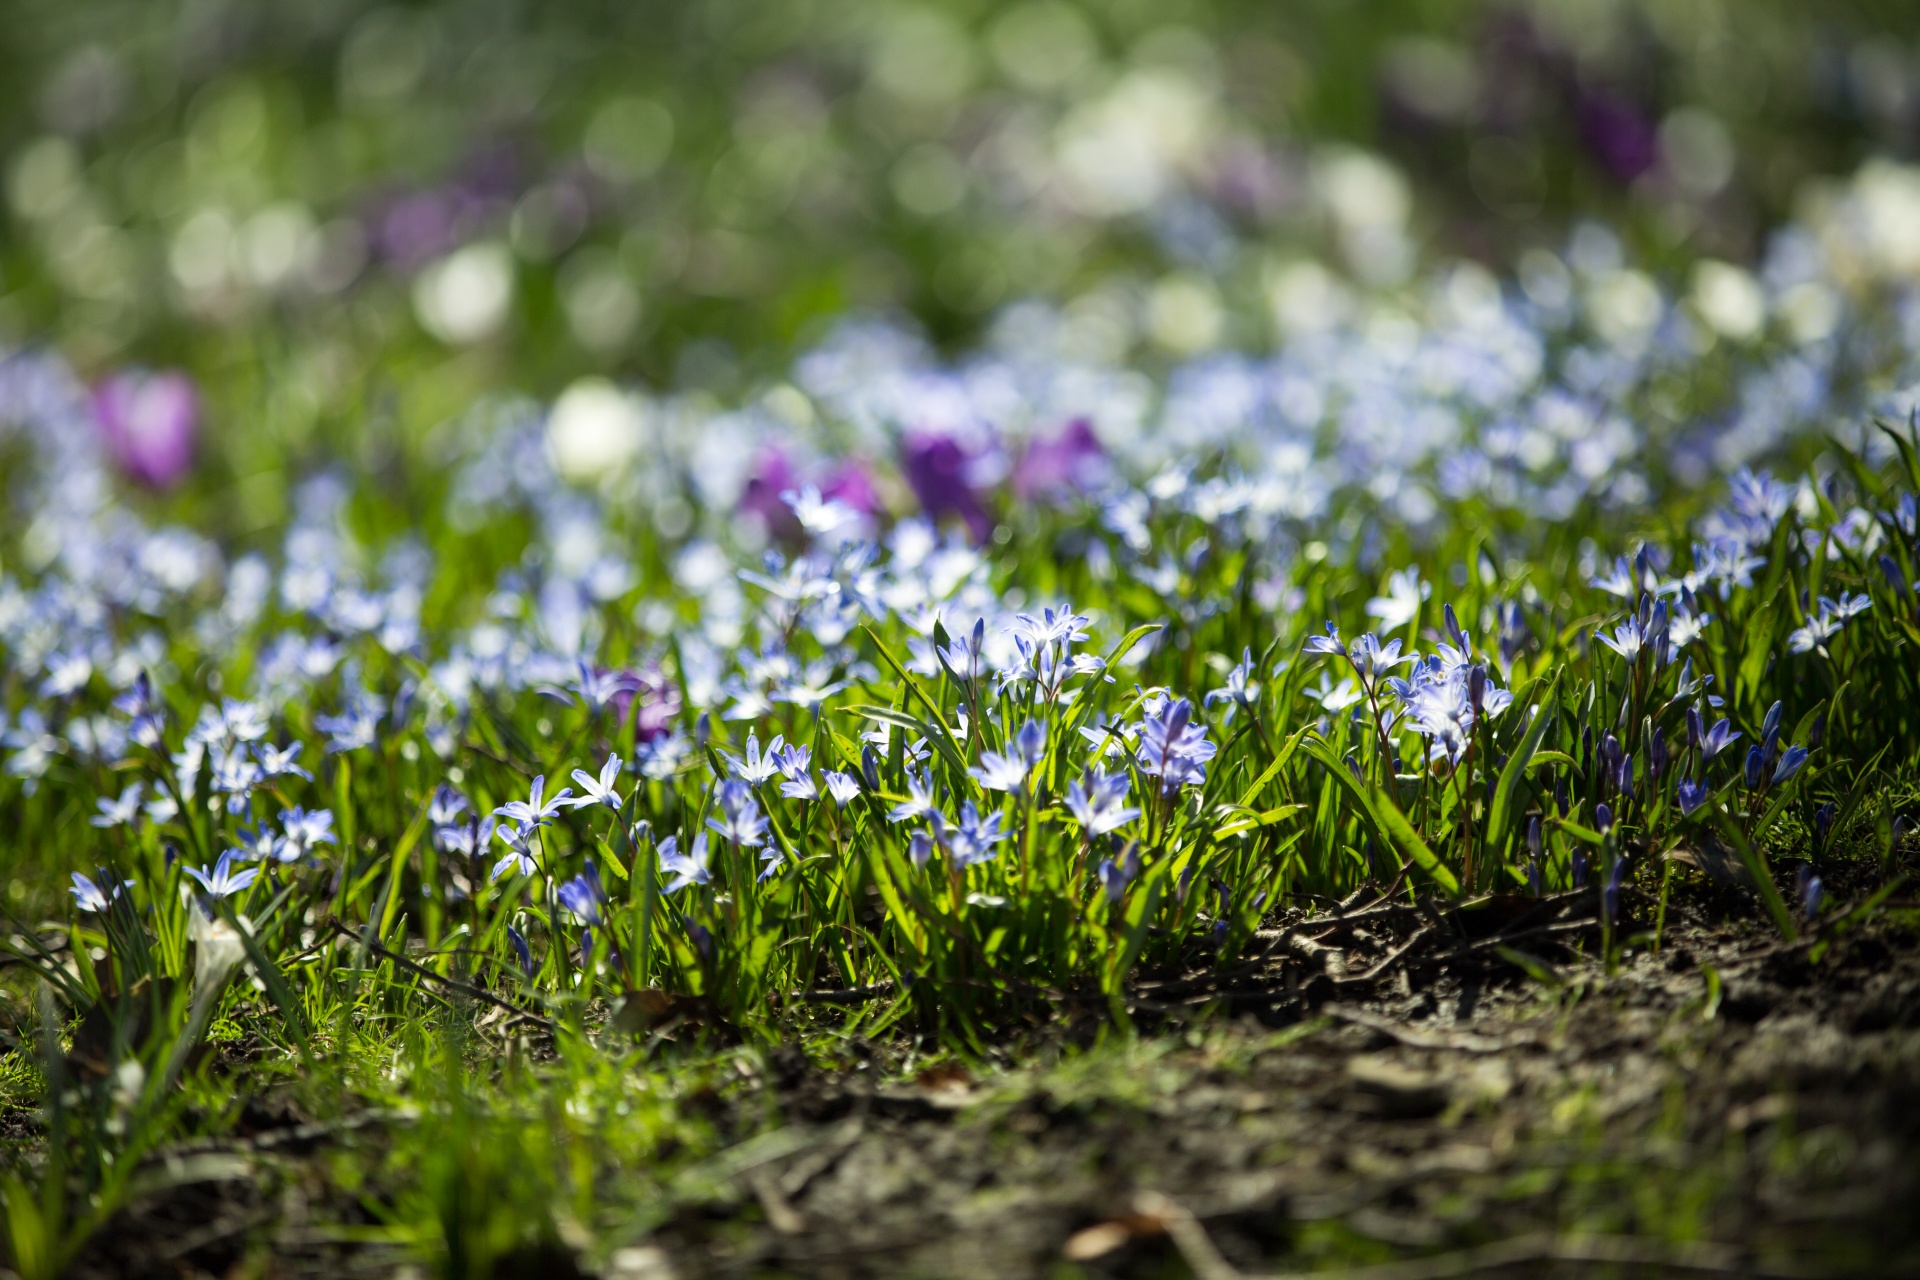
(1172, 749)
(794, 763)
(1718, 738)
(742, 822)
(278, 762)
(520, 953)
(996, 772)
(223, 881)
(843, 787)
(755, 769)
(585, 896)
(446, 807)
(1790, 763)
(689, 868)
(1098, 802)
(304, 829)
(536, 809)
(1691, 795)
(519, 854)
(973, 840)
(597, 791)
(97, 894)
(919, 801)
(120, 812)
(355, 728)
(1241, 689)
(1116, 876)
(468, 839)
(1328, 643)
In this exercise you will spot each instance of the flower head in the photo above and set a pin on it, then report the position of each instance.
(687, 868)
(1172, 749)
(741, 821)
(224, 881)
(598, 791)
(97, 894)
(843, 787)
(537, 808)
(149, 421)
(120, 812)
(755, 768)
(1097, 802)
(585, 896)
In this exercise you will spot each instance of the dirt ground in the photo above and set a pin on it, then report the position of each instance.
(1385, 1091)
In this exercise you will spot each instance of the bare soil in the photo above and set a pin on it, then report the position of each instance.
(1391, 1091)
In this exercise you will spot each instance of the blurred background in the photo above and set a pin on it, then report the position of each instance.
(345, 221)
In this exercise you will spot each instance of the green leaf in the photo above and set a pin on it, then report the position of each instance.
(941, 742)
(1754, 859)
(1759, 651)
(275, 982)
(1389, 825)
(1131, 639)
(1254, 821)
(1272, 771)
(1500, 814)
(1904, 444)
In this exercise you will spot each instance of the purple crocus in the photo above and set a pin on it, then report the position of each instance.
(773, 474)
(656, 697)
(941, 472)
(149, 421)
(851, 483)
(1618, 134)
(1060, 466)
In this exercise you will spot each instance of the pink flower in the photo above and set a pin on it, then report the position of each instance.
(149, 421)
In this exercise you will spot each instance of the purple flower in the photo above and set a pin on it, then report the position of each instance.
(772, 475)
(656, 698)
(851, 483)
(942, 473)
(1072, 462)
(1610, 895)
(1618, 133)
(149, 421)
